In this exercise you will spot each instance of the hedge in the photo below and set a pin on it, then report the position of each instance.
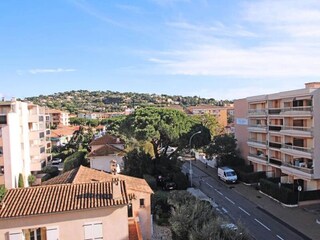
(283, 194)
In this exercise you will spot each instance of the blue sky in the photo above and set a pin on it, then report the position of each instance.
(209, 48)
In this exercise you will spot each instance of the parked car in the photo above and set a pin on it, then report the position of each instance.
(227, 174)
(56, 161)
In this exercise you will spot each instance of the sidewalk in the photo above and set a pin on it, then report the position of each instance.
(297, 217)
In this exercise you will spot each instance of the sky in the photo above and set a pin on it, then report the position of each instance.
(222, 49)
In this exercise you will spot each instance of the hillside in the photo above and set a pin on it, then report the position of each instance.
(109, 101)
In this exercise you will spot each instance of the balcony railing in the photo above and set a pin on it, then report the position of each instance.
(257, 141)
(275, 161)
(276, 128)
(274, 111)
(298, 128)
(257, 111)
(275, 145)
(300, 109)
(303, 149)
(303, 169)
(262, 157)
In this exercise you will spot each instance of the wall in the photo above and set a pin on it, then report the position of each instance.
(103, 162)
(241, 126)
(70, 224)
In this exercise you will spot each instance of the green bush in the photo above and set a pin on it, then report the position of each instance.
(74, 161)
(31, 179)
(20, 181)
(252, 177)
(51, 172)
(180, 180)
(2, 192)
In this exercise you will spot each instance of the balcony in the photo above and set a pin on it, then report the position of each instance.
(257, 128)
(296, 151)
(297, 131)
(275, 128)
(274, 111)
(257, 112)
(260, 159)
(275, 161)
(275, 145)
(257, 143)
(297, 111)
(297, 171)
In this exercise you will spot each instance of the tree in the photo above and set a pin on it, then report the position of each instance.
(161, 127)
(137, 163)
(2, 192)
(20, 181)
(224, 148)
(210, 122)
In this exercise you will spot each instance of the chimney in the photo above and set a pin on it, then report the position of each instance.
(312, 85)
(113, 167)
(116, 189)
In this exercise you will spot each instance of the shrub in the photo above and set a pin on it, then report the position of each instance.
(31, 179)
(181, 181)
(74, 161)
(20, 181)
(2, 192)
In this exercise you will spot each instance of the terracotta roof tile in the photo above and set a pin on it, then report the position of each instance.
(64, 131)
(86, 175)
(107, 139)
(60, 198)
(106, 150)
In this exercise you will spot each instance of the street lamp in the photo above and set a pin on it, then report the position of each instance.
(190, 168)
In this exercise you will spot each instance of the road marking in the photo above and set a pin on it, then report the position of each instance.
(218, 192)
(209, 185)
(262, 224)
(280, 237)
(225, 210)
(229, 200)
(244, 211)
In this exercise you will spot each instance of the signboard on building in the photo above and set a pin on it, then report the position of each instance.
(241, 121)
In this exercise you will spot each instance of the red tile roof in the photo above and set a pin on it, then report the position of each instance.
(60, 198)
(106, 150)
(107, 139)
(64, 131)
(86, 175)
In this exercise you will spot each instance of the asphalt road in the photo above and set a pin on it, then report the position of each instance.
(260, 225)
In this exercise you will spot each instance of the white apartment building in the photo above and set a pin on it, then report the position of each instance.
(57, 117)
(280, 134)
(24, 146)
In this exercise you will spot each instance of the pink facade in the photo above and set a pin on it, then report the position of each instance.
(280, 134)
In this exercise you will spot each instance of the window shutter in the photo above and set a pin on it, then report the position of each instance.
(97, 231)
(52, 233)
(88, 232)
(15, 235)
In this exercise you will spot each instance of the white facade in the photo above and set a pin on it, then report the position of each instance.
(104, 162)
(23, 141)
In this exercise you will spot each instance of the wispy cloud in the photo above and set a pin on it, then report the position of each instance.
(283, 43)
(91, 10)
(50, 70)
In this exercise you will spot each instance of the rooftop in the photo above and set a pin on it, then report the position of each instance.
(107, 139)
(60, 198)
(87, 175)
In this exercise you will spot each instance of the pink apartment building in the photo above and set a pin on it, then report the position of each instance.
(280, 133)
(24, 143)
(57, 117)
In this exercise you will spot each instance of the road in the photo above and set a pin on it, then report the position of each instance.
(259, 224)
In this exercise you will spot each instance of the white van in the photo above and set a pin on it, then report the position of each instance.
(227, 174)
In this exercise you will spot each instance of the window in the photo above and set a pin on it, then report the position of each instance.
(42, 150)
(41, 135)
(142, 202)
(1, 151)
(3, 119)
(41, 118)
(130, 212)
(93, 231)
(35, 233)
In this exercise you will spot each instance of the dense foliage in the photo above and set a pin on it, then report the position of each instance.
(2, 192)
(109, 101)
